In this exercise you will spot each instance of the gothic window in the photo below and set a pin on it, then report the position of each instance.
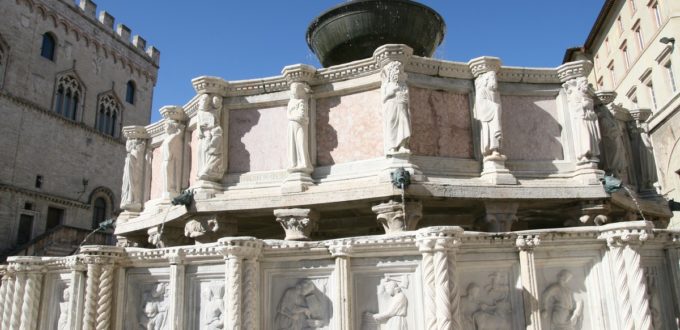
(98, 211)
(68, 96)
(48, 46)
(108, 115)
(130, 92)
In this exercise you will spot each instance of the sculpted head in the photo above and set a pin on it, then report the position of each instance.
(217, 102)
(564, 276)
(473, 290)
(306, 287)
(393, 72)
(299, 90)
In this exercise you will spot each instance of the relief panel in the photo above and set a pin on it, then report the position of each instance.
(147, 300)
(204, 292)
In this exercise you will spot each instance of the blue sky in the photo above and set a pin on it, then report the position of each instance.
(239, 40)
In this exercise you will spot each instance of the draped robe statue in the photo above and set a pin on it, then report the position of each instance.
(488, 109)
(172, 158)
(395, 99)
(586, 129)
(298, 129)
(211, 149)
(131, 194)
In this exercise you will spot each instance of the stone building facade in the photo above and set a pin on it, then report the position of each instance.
(69, 82)
(633, 48)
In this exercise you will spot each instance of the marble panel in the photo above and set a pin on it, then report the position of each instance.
(157, 174)
(440, 123)
(531, 128)
(56, 302)
(193, 148)
(257, 139)
(147, 299)
(660, 300)
(349, 128)
(204, 297)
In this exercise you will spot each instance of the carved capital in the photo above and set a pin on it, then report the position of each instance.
(438, 239)
(299, 73)
(527, 242)
(240, 247)
(500, 216)
(173, 112)
(207, 229)
(175, 257)
(210, 85)
(297, 223)
(484, 64)
(640, 115)
(135, 132)
(605, 97)
(573, 70)
(391, 215)
(75, 264)
(632, 233)
(392, 52)
(340, 249)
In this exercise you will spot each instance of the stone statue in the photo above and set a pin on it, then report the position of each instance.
(172, 158)
(213, 314)
(559, 308)
(62, 322)
(154, 313)
(586, 129)
(298, 129)
(395, 99)
(393, 315)
(302, 307)
(615, 147)
(648, 175)
(131, 194)
(488, 108)
(211, 149)
(492, 312)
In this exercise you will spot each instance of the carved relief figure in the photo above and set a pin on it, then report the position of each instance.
(210, 153)
(172, 158)
(491, 312)
(393, 315)
(131, 194)
(613, 140)
(488, 108)
(559, 308)
(647, 163)
(214, 309)
(298, 129)
(62, 322)
(154, 308)
(395, 99)
(302, 307)
(586, 129)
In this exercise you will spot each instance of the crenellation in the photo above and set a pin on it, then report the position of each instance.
(88, 7)
(139, 42)
(154, 54)
(106, 19)
(123, 32)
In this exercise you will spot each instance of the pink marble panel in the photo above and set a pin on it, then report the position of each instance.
(349, 128)
(156, 175)
(531, 128)
(257, 139)
(193, 148)
(440, 123)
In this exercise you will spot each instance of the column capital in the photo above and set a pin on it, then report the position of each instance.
(240, 247)
(573, 70)
(391, 215)
(100, 254)
(210, 85)
(297, 223)
(484, 64)
(437, 239)
(135, 132)
(175, 257)
(173, 112)
(527, 242)
(299, 73)
(341, 249)
(392, 52)
(631, 233)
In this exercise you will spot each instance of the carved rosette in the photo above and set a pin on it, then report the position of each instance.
(297, 223)
(527, 242)
(391, 215)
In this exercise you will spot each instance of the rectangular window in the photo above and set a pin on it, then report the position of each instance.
(671, 77)
(606, 45)
(656, 12)
(55, 217)
(639, 37)
(624, 53)
(38, 181)
(652, 95)
(633, 8)
(619, 25)
(612, 76)
(25, 230)
(600, 83)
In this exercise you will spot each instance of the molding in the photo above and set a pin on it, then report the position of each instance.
(49, 197)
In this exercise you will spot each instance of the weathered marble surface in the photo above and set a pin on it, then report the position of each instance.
(531, 128)
(193, 147)
(349, 128)
(156, 173)
(440, 122)
(257, 139)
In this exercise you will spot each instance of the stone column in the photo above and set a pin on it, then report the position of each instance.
(251, 282)
(176, 312)
(77, 294)
(673, 257)
(624, 241)
(30, 307)
(100, 261)
(585, 129)
(441, 292)
(500, 216)
(9, 280)
(526, 244)
(3, 289)
(300, 165)
(297, 223)
(235, 250)
(18, 296)
(391, 215)
(488, 111)
(212, 125)
(342, 252)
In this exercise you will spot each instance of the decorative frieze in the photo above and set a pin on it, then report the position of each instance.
(297, 223)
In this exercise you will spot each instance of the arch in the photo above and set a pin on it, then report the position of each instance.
(49, 46)
(108, 114)
(101, 202)
(68, 95)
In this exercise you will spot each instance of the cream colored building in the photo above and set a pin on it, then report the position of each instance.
(69, 81)
(633, 48)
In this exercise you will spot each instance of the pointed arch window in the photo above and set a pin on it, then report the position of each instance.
(99, 209)
(108, 115)
(48, 46)
(67, 96)
(130, 92)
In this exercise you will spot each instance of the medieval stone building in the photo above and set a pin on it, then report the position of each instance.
(69, 82)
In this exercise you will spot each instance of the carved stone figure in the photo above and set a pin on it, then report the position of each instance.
(615, 147)
(154, 311)
(213, 314)
(559, 308)
(488, 109)
(131, 194)
(211, 147)
(302, 307)
(172, 158)
(586, 129)
(62, 322)
(298, 129)
(393, 315)
(648, 175)
(395, 99)
(491, 312)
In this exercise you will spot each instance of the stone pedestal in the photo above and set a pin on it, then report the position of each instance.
(391, 215)
(495, 172)
(588, 174)
(500, 216)
(297, 223)
(297, 182)
(399, 160)
(204, 190)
